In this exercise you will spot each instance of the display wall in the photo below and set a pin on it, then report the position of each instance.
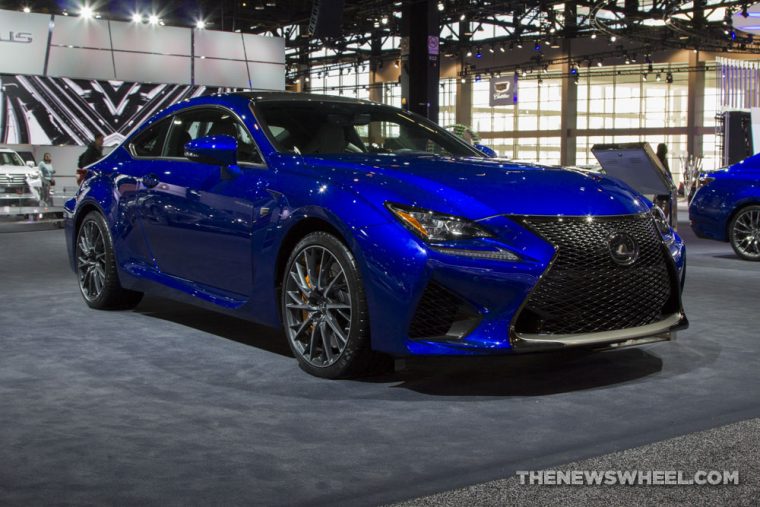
(76, 47)
(62, 111)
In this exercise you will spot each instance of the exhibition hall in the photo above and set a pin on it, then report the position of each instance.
(379, 252)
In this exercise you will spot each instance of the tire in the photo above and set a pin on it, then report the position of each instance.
(96, 267)
(744, 233)
(326, 321)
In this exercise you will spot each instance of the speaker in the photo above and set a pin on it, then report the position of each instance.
(326, 19)
(737, 136)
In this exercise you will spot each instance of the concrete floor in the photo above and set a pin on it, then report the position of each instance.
(169, 404)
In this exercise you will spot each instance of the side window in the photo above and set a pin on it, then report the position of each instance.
(210, 122)
(150, 142)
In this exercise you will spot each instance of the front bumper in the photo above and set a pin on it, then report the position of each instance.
(491, 295)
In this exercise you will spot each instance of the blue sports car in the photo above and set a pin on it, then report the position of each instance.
(727, 207)
(367, 232)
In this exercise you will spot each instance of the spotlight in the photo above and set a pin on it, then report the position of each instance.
(644, 76)
(395, 64)
(384, 20)
(593, 35)
(613, 38)
(462, 17)
(502, 49)
(27, 9)
(658, 78)
(745, 12)
(153, 19)
(491, 50)
(137, 17)
(200, 24)
(469, 54)
(576, 80)
(477, 78)
(441, 6)
(478, 54)
(599, 63)
(86, 12)
(669, 77)
(537, 47)
(463, 80)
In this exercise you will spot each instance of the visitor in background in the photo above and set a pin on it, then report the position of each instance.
(47, 173)
(662, 154)
(93, 153)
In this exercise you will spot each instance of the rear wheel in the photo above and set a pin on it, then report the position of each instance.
(744, 233)
(324, 310)
(96, 267)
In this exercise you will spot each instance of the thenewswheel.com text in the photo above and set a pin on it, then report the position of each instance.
(628, 477)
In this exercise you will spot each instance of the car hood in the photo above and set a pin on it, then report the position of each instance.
(481, 187)
(16, 169)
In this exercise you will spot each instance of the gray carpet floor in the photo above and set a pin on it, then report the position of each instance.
(734, 447)
(170, 404)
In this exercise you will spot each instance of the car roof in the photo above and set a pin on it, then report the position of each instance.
(279, 96)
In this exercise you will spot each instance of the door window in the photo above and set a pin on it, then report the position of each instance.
(199, 123)
(150, 142)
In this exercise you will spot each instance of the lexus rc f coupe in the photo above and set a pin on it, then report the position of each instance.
(368, 232)
(727, 207)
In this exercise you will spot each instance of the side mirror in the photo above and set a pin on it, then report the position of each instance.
(215, 150)
(485, 150)
(30, 163)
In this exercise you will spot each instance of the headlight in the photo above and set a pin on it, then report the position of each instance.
(661, 221)
(33, 175)
(432, 226)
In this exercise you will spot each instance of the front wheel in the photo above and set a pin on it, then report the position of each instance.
(744, 233)
(324, 310)
(96, 267)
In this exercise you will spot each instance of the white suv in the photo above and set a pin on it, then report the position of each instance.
(19, 182)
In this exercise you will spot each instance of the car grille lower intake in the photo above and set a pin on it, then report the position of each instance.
(442, 314)
(586, 291)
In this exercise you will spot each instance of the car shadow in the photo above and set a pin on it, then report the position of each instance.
(225, 326)
(538, 374)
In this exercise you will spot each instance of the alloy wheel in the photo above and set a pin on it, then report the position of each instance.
(746, 233)
(91, 260)
(317, 306)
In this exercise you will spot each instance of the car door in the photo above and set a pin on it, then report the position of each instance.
(199, 218)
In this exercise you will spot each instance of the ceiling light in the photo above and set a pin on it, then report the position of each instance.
(441, 6)
(27, 9)
(137, 17)
(200, 24)
(86, 12)
(613, 38)
(153, 19)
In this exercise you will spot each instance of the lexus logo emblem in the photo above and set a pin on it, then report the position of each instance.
(623, 248)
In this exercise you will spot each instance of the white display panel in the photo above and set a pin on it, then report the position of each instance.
(23, 43)
(83, 63)
(267, 76)
(264, 49)
(227, 73)
(80, 32)
(165, 40)
(147, 68)
(212, 44)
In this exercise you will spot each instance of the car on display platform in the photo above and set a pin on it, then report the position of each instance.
(20, 183)
(368, 232)
(726, 207)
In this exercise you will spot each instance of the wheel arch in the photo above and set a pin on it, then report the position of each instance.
(296, 233)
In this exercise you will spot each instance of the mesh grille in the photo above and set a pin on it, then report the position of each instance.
(585, 291)
(436, 312)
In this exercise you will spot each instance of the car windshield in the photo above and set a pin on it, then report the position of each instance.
(9, 158)
(330, 128)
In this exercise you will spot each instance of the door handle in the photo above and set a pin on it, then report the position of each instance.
(150, 180)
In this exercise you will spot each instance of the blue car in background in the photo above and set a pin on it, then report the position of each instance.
(727, 207)
(367, 232)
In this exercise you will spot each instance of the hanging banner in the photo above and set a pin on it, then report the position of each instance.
(503, 91)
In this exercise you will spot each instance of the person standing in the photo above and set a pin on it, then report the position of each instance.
(662, 154)
(93, 153)
(47, 173)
